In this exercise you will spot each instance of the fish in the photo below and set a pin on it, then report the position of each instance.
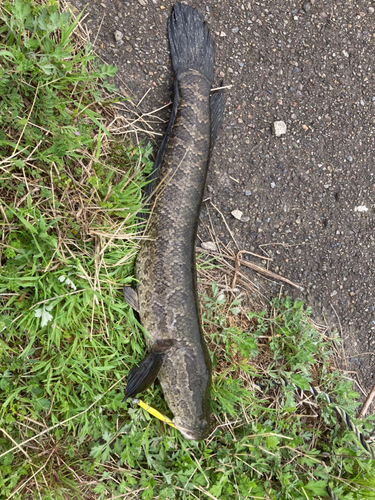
(166, 296)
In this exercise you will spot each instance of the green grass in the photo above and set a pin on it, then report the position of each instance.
(69, 192)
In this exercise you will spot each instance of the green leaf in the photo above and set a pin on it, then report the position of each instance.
(272, 442)
(6, 53)
(300, 381)
(317, 487)
(43, 313)
(216, 489)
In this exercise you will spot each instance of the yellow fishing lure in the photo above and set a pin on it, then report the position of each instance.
(154, 412)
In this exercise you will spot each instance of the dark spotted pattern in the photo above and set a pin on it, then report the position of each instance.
(166, 262)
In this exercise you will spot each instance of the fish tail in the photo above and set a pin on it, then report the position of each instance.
(192, 48)
(191, 45)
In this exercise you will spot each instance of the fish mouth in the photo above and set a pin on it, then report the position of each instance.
(192, 434)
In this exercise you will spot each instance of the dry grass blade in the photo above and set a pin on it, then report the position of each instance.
(268, 273)
(21, 486)
(248, 264)
(367, 403)
(61, 424)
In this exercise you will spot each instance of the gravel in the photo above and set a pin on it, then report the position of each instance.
(279, 127)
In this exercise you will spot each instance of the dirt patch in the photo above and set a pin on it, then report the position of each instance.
(307, 196)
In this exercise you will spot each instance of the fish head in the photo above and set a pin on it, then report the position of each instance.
(196, 429)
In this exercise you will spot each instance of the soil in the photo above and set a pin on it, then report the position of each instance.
(307, 196)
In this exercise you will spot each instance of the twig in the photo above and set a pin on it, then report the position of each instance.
(143, 97)
(238, 264)
(15, 443)
(27, 121)
(21, 486)
(6, 160)
(270, 274)
(224, 87)
(97, 33)
(226, 225)
(367, 403)
(259, 269)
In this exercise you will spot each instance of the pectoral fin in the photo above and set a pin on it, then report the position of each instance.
(131, 297)
(142, 376)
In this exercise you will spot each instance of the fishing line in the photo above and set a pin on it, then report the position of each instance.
(344, 416)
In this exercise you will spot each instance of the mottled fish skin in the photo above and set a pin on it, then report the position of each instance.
(166, 266)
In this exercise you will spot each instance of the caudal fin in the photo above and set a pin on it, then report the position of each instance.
(191, 47)
(190, 42)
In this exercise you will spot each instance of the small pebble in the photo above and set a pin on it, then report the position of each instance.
(273, 185)
(235, 30)
(350, 159)
(209, 245)
(247, 193)
(142, 2)
(307, 6)
(237, 214)
(118, 35)
(279, 128)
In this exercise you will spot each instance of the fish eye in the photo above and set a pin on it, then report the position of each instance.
(203, 424)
